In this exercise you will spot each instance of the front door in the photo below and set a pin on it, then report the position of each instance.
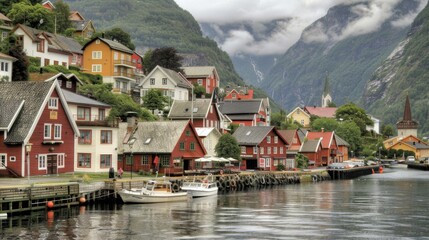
(52, 164)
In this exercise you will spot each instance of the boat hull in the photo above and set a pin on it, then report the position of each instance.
(200, 189)
(139, 197)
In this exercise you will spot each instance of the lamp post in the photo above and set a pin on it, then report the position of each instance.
(27, 151)
(130, 143)
(379, 154)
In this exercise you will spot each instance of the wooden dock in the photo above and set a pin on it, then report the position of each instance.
(350, 173)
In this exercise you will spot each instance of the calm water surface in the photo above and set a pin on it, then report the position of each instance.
(392, 205)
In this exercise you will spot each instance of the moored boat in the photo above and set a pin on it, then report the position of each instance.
(205, 188)
(153, 192)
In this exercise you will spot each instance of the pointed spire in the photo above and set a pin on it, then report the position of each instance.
(407, 110)
(326, 88)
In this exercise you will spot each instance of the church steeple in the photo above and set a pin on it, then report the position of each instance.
(326, 96)
(407, 126)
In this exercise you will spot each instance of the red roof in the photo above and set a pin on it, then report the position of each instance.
(327, 137)
(328, 112)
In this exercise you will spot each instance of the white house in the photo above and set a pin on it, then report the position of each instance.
(171, 83)
(210, 137)
(6, 62)
(376, 126)
(98, 140)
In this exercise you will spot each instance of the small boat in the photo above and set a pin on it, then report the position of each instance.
(205, 188)
(154, 192)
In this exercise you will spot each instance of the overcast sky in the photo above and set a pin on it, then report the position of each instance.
(301, 12)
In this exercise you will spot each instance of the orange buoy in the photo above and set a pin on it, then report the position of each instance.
(82, 200)
(50, 216)
(381, 169)
(50, 204)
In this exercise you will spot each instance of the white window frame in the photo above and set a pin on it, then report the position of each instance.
(268, 150)
(276, 139)
(97, 54)
(12, 159)
(61, 160)
(255, 150)
(53, 103)
(47, 133)
(152, 81)
(268, 139)
(96, 68)
(261, 150)
(69, 84)
(57, 131)
(281, 150)
(164, 81)
(42, 160)
(200, 82)
(275, 150)
(3, 157)
(243, 149)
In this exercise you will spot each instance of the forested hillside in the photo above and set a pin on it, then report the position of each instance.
(406, 71)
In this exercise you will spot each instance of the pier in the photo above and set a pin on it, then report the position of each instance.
(350, 173)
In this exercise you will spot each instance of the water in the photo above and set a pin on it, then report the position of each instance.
(391, 205)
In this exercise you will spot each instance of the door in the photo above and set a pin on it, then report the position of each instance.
(52, 164)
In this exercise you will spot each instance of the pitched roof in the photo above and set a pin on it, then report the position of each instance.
(79, 99)
(53, 76)
(9, 112)
(4, 18)
(153, 137)
(204, 132)
(341, 142)
(112, 44)
(310, 145)
(69, 43)
(288, 135)
(198, 71)
(182, 109)
(328, 112)
(253, 135)
(326, 137)
(80, 25)
(300, 111)
(35, 95)
(230, 107)
(7, 57)
(407, 121)
(174, 76)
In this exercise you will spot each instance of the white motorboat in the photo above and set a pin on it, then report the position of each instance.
(154, 192)
(205, 188)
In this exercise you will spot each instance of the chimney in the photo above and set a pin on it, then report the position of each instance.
(323, 130)
(131, 121)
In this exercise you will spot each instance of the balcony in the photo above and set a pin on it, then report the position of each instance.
(94, 120)
(129, 76)
(121, 90)
(124, 63)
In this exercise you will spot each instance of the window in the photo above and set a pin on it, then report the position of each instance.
(115, 56)
(281, 150)
(12, 159)
(53, 103)
(243, 149)
(41, 45)
(234, 95)
(261, 150)
(182, 146)
(255, 150)
(3, 162)
(106, 136)
(268, 150)
(164, 160)
(302, 121)
(60, 82)
(84, 160)
(4, 66)
(105, 160)
(46, 61)
(144, 160)
(188, 133)
(144, 92)
(60, 160)
(118, 84)
(96, 67)
(200, 82)
(164, 81)
(47, 131)
(152, 81)
(83, 113)
(3, 35)
(69, 84)
(276, 139)
(57, 131)
(42, 162)
(275, 150)
(55, 62)
(192, 146)
(101, 114)
(97, 54)
(85, 137)
(268, 139)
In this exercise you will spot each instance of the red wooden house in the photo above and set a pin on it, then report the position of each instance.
(262, 147)
(292, 137)
(169, 147)
(329, 146)
(35, 114)
(312, 149)
(238, 93)
(246, 112)
(205, 76)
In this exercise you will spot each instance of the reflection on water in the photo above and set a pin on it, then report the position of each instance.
(380, 206)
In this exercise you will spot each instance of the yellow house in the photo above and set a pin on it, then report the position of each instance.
(300, 116)
(112, 60)
(409, 143)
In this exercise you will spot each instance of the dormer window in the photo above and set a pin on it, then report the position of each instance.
(41, 45)
(53, 103)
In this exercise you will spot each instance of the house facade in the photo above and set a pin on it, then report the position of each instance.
(98, 140)
(262, 147)
(312, 149)
(205, 76)
(112, 60)
(210, 137)
(329, 147)
(300, 116)
(38, 133)
(83, 28)
(69, 82)
(169, 147)
(6, 26)
(238, 93)
(6, 63)
(245, 112)
(292, 137)
(408, 143)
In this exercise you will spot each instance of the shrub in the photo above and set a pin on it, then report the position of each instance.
(281, 167)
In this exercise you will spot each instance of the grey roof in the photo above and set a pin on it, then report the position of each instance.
(253, 135)
(79, 99)
(242, 117)
(177, 77)
(7, 57)
(340, 141)
(9, 111)
(310, 145)
(182, 109)
(418, 145)
(80, 25)
(198, 71)
(301, 134)
(70, 44)
(163, 136)
(34, 95)
(240, 106)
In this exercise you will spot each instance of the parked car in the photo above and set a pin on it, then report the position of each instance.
(411, 159)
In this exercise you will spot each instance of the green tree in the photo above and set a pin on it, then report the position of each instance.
(6, 5)
(19, 67)
(351, 111)
(154, 99)
(62, 14)
(121, 36)
(35, 16)
(289, 123)
(350, 132)
(328, 124)
(301, 161)
(277, 118)
(166, 57)
(199, 90)
(233, 127)
(227, 146)
(387, 130)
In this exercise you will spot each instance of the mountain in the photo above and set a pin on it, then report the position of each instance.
(337, 47)
(404, 72)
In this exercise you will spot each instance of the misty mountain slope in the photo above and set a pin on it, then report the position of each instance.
(406, 71)
(332, 45)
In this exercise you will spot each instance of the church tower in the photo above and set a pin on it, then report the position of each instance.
(326, 96)
(407, 126)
